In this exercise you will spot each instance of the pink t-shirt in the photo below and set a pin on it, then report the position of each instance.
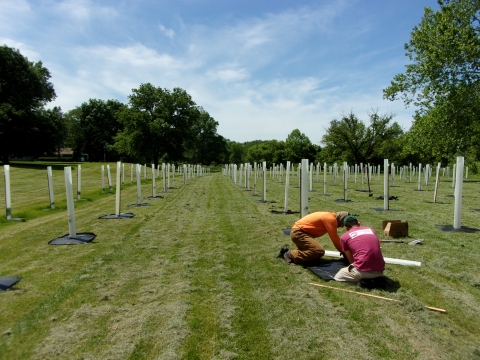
(365, 247)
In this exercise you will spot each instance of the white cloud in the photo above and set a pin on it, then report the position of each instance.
(24, 49)
(167, 32)
(83, 10)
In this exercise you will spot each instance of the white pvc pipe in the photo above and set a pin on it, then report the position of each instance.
(304, 189)
(50, 187)
(79, 182)
(118, 187)
(70, 204)
(110, 187)
(139, 184)
(457, 217)
(287, 183)
(336, 254)
(8, 199)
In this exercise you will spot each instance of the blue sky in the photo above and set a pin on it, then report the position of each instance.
(260, 68)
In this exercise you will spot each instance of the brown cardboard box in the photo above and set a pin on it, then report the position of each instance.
(395, 228)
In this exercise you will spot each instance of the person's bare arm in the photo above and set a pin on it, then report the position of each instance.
(349, 256)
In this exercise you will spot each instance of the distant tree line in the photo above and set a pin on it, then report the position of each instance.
(442, 79)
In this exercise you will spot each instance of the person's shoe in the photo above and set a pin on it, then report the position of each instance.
(283, 250)
(288, 258)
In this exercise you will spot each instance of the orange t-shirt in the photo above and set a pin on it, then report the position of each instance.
(320, 223)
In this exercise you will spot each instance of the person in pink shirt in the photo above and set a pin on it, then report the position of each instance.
(361, 247)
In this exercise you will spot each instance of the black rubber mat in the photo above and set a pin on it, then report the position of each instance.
(78, 239)
(8, 281)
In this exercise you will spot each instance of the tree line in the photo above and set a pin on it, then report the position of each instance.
(442, 79)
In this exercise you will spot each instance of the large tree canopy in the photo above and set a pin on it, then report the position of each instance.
(349, 139)
(298, 146)
(158, 124)
(443, 80)
(24, 91)
(92, 128)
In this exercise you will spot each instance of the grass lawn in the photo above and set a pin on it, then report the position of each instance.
(194, 276)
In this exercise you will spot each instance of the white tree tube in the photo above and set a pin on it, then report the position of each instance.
(361, 173)
(102, 175)
(131, 174)
(254, 178)
(457, 217)
(427, 173)
(335, 173)
(110, 187)
(385, 184)
(437, 180)
(264, 181)
(168, 176)
(241, 175)
(311, 177)
(345, 195)
(184, 173)
(50, 187)
(304, 189)
(356, 170)
(419, 176)
(123, 174)
(454, 177)
(336, 254)
(154, 189)
(164, 178)
(287, 183)
(324, 178)
(79, 182)
(139, 185)
(118, 187)
(70, 204)
(8, 199)
(145, 172)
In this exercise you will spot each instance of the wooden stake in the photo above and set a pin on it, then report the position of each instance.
(377, 297)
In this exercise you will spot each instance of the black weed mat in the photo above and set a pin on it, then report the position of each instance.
(327, 269)
(8, 281)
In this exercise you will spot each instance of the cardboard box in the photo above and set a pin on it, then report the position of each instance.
(395, 228)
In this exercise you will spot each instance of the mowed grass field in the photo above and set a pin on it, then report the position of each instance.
(195, 275)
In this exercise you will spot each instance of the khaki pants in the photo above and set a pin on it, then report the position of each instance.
(308, 248)
(351, 274)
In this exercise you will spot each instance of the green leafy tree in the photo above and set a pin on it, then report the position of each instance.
(349, 139)
(442, 79)
(237, 153)
(206, 146)
(24, 91)
(298, 146)
(158, 124)
(92, 128)
(271, 151)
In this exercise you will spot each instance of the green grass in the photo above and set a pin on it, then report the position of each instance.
(195, 276)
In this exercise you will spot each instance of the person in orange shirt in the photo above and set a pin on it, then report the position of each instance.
(312, 226)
